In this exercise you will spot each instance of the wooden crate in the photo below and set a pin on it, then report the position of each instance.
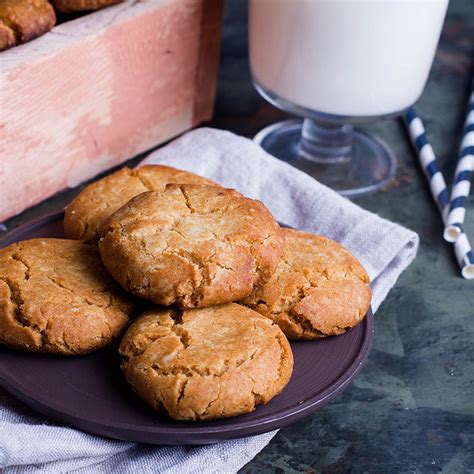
(100, 89)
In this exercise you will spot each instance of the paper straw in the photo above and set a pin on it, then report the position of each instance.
(464, 255)
(462, 178)
(428, 163)
(427, 160)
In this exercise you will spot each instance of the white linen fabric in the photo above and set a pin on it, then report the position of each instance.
(30, 442)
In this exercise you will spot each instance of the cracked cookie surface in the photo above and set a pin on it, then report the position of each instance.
(86, 213)
(56, 297)
(206, 363)
(191, 245)
(319, 288)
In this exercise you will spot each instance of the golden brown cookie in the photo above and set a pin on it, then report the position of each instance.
(319, 289)
(70, 6)
(7, 37)
(56, 297)
(24, 20)
(206, 363)
(99, 200)
(191, 245)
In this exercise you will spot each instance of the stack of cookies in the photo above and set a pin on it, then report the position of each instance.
(213, 285)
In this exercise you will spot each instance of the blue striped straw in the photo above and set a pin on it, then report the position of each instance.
(464, 255)
(462, 178)
(428, 163)
(427, 160)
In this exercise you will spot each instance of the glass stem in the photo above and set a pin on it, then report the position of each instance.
(324, 142)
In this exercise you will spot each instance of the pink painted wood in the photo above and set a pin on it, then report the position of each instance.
(100, 89)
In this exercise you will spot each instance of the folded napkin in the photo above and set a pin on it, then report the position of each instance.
(30, 442)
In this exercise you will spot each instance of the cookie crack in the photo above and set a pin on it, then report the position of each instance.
(78, 295)
(288, 309)
(62, 341)
(209, 405)
(17, 301)
(68, 346)
(181, 392)
(137, 351)
(140, 241)
(86, 228)
(304, 323)
(187, 201)
(257, 397)
(201, 268)
(179, 330)
(17, 257)
(203, 413)
(145, 182)
(324, 273)
(294, 317)
(225, 209)
(174, 228)
(194, 370)
(177, 316)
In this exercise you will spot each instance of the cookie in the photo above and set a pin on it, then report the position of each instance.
(191, 245)
(24, 20)
(7, 37)
(99, 200)
(56, 297)
(319, 289)
(206, 363)
(70, 6)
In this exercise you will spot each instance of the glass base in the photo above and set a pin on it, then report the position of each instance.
(370, 167)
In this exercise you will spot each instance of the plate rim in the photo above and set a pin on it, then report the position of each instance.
(201, 434)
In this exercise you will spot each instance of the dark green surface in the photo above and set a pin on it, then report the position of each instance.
(411, 409)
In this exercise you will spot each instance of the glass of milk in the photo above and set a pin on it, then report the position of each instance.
(335, 63)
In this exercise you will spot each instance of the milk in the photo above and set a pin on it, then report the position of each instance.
(345, 57)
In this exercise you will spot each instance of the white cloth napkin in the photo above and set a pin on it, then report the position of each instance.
(29, 442)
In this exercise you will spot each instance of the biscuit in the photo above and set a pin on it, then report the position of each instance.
(24, 20)
(206, 363)
(56, 297)
(7, 37)
(70, 6)
(99, 200)
(191, 245)
(319, 289)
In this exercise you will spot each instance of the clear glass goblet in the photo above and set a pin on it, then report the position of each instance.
(336, 63)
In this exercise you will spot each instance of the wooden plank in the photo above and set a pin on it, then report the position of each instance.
(100, 89)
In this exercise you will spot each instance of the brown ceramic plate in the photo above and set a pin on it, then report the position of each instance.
(90, 393)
